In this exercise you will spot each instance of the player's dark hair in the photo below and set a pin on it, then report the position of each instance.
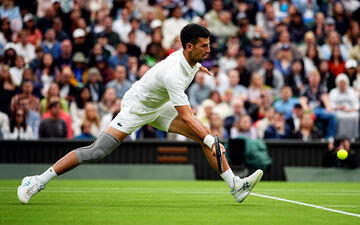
(191, 32)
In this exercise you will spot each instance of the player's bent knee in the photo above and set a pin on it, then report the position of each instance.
(102, 146)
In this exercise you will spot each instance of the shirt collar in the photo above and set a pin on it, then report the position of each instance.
(185, 64)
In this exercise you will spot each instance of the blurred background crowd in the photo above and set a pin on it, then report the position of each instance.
(286, 69)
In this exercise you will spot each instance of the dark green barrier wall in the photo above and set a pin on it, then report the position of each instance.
(289, 153)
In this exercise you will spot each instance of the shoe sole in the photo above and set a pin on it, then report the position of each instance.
(256, 181)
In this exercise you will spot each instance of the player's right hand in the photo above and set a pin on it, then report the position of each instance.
(213, 150)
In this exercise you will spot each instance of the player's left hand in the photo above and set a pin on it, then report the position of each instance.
(222, 149)
(205, 70)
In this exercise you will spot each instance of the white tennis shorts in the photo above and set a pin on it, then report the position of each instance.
(133, 116)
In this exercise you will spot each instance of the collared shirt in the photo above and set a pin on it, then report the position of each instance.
(166, 81)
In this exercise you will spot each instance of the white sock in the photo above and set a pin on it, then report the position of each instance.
(228, 177)
(47, 175)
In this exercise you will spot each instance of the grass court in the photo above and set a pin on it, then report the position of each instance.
(87, 202)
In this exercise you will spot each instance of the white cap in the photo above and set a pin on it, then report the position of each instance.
(28, 17)
(342, 77)
(78, 33)
(155, 24)
(350, 63)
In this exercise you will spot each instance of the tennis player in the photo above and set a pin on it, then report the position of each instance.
(157, 99)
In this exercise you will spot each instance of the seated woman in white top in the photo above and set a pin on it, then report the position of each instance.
(344, 101)
(18, 129)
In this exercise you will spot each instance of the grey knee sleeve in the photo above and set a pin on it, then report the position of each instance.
(101, 147)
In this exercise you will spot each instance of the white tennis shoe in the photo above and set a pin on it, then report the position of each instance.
(243, 187)
(28, 188)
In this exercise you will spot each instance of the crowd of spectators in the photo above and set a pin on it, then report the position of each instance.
(281, 69)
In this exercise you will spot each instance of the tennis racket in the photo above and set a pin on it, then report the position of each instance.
(218, 154)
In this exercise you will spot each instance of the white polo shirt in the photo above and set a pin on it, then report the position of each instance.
(164, 82)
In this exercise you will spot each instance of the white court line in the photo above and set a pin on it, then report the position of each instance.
(306, 204)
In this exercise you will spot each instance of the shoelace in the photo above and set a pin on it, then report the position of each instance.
(34, 188)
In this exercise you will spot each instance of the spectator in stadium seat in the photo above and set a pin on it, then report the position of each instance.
(9, 55)
(311, 59)
(266, 19)
(336, 62)
(133, 48)
(262, 124)
(341, 19)
(132, 67)
(79, 70)
(327, 78)
(296, 78)
(18, 129)
(32, 118)
(53, 90)
(24, 47)
(315, 98)
(284, 40)
(36, 62)
(91, 115)
(322, 26)
(238, 90)
(4, 123)
(53, 126)
(284, 60)
(307, 129)
(6, 34)
(85, 132)
(354, 52)
(120, 83)
(349, 38)
(67, 90)
(245, 75)
(17, 70)
(50, 44)
(351, 70)
(297, 28)
(140, 38)
(219, 80)
(294, 120)
(278, 129)
(223, 28)
(122, 24)
(112, 36)
(333, 39)
(172, 26)
(107, 102)
(224, 107)
(120, 57)
(95, 84)
(60, 33)
(286, 104)
(65, 58)
(198, 91)
(46, 73)
(344, 101)
(34, 34)
(27, 91)
(228, 60)
(217, 128)
(243, 127)
(47, 21)
(7, 89)
(77, 107)
(81, 42)
(272, 77)
(257, 60)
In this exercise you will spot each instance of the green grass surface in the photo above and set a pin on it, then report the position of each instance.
(177, 202)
